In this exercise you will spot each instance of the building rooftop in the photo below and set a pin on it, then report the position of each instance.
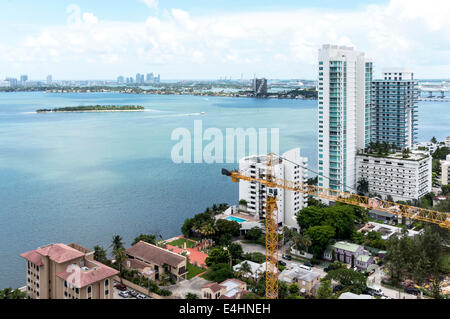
(346, 246)
(350, 295)
(299, 274)
(215, 287)
(59, 253)
(155, 254)
(90, 272)
(363, 258)
(413, 155)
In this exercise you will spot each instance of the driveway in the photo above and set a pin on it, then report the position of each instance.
(194, 286)
(374, 281)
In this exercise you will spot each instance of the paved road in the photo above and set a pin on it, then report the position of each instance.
(374, 281)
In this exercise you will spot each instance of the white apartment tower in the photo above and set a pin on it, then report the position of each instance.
(405, 178)
(345, 77)
(289, 203)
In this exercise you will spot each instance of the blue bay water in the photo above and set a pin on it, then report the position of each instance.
(83, 177)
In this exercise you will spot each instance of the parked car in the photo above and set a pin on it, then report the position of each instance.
(375, 292)
(124, 294)
(141, 296)
(412, 290)
(134, 293)
(282, 263)
(287, 257)
(121, 287)
(337, 288)
(308, 264)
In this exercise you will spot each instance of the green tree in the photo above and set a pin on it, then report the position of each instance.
(293, 289)
(120, 257)
(363, 186)
(100, 254)
(253, 234)
(235, 251)
(220, 272)
(325, 291)
(320, 237)
(245, 269)
(351, 280)
(445, 190)
(218, 256)
(191, 296)
(9, 293)
(151, 239)
(117, 243)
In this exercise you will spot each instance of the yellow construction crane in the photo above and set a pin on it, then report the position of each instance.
(271, 212)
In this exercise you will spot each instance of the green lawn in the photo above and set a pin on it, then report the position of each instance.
(193, 271)
(180, 243)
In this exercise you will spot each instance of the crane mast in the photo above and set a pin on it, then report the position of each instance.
(273, 183)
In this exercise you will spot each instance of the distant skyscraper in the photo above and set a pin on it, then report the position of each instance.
(138, 78)
(394, 108)
(23, 79)
(158, 78)
(150, 78)
(12, 81)
(120, 79)
(260, 87)
(49, 80)
(343, 108)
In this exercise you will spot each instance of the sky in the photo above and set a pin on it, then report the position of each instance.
(211, 39)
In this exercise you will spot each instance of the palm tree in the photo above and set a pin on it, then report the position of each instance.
(306, 242)
(120, 257)
(208, 230)
(245, 269)
(117, 243)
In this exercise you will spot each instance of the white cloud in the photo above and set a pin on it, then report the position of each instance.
(153, 4)
(275, 44)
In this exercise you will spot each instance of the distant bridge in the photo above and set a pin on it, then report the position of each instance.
(434, 87)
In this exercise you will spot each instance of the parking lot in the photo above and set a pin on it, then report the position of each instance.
(131, 292)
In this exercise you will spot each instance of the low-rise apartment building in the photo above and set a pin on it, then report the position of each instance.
(289, 203)
(228, 289)
(350, 254)
(153, 261)
(306, 280)
(445, 170)
(402, 178)
(60, 271)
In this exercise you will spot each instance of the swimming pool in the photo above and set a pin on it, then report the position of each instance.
(236, 219)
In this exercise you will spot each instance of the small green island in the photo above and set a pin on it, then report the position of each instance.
(94, 108)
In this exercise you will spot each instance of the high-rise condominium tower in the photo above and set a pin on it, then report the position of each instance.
(344, 114)
(394, 110)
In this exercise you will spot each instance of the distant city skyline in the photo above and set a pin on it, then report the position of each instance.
(82, 40)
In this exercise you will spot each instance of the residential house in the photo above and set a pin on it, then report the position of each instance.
(307, 281)
(153, 261)
(228, 289)
(257, 270)
(348, 253)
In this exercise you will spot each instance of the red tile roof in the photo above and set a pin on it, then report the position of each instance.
(215, 287)
(97, 272)
(59, 253)
(154, 254)
(34, 257)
